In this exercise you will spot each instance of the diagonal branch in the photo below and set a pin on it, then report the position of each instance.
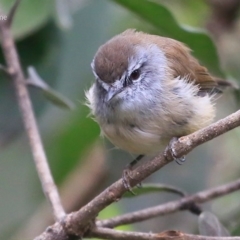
(170, 207)
(79, 222)
(183, 146)
(16, 74)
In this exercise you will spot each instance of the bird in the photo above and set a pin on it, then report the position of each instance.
(149, 89)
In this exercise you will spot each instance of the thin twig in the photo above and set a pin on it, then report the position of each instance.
(170, 207)
(111, 234)
(16, 74)
(79, 222)
(12, 13)
(168, 235)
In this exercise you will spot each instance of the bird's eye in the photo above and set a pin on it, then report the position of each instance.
(135, 74)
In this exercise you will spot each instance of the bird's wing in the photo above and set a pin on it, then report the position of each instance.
(183, 64)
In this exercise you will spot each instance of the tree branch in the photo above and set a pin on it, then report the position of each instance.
(16, 74)
(167, 235)
(79, 222)
(181, 147)
(170, 207)
(111, 234)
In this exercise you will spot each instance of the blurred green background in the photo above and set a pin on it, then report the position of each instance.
(59, 38)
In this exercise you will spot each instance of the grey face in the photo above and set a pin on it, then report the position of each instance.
(122, 74)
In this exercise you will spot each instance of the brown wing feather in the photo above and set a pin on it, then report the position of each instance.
(183, 64)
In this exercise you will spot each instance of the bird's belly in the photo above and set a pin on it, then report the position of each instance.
(134, 140)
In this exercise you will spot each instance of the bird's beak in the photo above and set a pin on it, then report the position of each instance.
(112, 92)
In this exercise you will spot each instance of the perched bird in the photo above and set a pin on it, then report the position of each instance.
(148, 90)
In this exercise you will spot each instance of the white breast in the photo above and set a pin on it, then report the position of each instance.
(134, 140)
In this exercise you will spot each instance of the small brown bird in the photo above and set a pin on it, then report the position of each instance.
(148, 90)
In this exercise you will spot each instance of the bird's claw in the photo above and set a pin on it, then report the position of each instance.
(181, 160)
(170, 148)
(125, 178)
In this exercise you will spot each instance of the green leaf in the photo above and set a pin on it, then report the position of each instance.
(71, 141)
(30, 15)
(153, 188)
(209, 225)
(53, 96)
(162, 19)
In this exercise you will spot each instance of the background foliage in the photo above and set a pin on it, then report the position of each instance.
(59, 38)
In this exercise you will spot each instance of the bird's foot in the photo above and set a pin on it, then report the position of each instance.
(126, 176)
(170, 148)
